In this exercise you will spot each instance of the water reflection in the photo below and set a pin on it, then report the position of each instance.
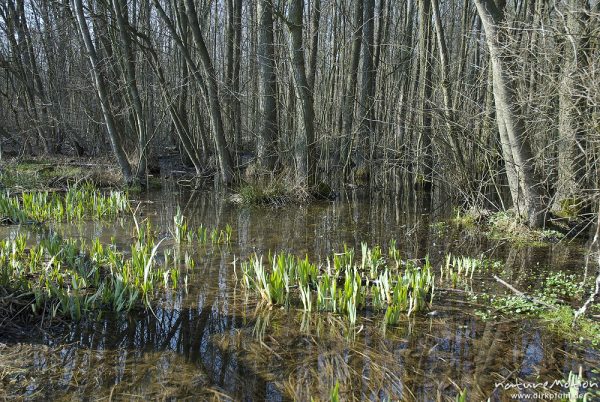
(213, 341)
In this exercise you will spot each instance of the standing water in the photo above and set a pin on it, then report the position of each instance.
(211, 338)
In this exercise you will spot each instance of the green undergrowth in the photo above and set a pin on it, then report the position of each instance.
(459, 268)
(183, 233)
(265, 193)
(278, 191)
(71, 277)
(554, 305)
(345, 284)
(505, 225)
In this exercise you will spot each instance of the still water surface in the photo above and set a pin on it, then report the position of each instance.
(213, 341)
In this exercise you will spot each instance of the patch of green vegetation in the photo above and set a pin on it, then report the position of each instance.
(569, 208)
(439, 228)
(460, 268)
(182, 233)
(462, 395)
(77, 203)
(563, 287)
(509, 305)
(271, 192)
(344, 285)
(277, 191)
(561, 322)
(70, 278)
(551, 305)
(466, 218)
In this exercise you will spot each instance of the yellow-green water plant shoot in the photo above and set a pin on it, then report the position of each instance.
(76, 204)
(341, 288)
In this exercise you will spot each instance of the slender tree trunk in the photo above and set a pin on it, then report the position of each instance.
(314, 47)
(268, 133)
(349, 98)
(132, 87)
(425, 132)
(367, 96)
(224, 157)
(447, 88)
(572, 111)
(100, 87)
(234, 38)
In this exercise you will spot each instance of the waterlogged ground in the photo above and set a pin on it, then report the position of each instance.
(211, 339)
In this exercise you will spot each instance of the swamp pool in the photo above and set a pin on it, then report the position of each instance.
(212, 339)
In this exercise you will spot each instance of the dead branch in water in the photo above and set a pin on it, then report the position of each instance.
(521, 294)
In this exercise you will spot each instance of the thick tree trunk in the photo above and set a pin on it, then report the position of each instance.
(305, 133)
(509, 118)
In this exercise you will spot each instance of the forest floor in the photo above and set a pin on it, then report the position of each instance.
(53, 173)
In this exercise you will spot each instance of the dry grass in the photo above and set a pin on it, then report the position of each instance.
(57, 172)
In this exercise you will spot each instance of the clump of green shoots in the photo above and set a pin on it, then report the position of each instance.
(342, 286)
(69, 278)
(183, 233)
(76, 204)
(461, 268)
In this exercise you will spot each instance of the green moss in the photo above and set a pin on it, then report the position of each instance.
(361, 174)
(569, 208)
(269, 191)
(466, 218)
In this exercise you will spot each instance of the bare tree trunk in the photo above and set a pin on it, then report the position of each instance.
(268, 88)
(425, 141)
(120, 11)
(100, 86)
(349, 97)
(305, 132)
(510, 119)
(446, 88)
(224, 157)
(314, 47)
(367, 96)
(234, 38)
(572, 110)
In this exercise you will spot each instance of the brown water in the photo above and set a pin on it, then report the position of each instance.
(212, 341)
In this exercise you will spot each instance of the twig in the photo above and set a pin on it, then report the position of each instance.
(582, 310)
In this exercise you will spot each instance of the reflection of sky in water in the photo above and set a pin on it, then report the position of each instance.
(534, 354)
(205, 338)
